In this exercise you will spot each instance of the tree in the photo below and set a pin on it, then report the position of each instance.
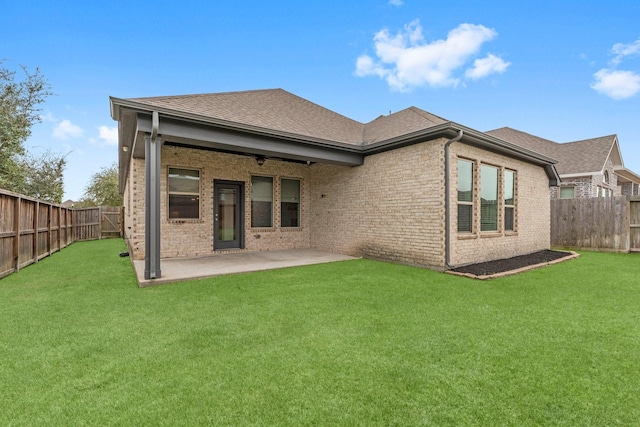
(103, 188)
(42, 177)
(19, 111)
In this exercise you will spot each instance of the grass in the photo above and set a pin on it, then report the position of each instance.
(350, 343)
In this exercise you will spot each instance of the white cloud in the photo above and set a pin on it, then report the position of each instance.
(48, 117)
(65, 130)
(623, 50)
(406, 60)
(616, 84)
(109, 135)
(396, 2)
(486, 66)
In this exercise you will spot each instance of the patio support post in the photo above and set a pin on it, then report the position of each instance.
(152, 145)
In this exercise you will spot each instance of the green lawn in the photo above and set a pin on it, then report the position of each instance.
(350, 343)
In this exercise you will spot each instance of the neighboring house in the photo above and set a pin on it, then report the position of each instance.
(587, 168)
(266, 170)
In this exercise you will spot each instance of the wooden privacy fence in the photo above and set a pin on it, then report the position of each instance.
(97, 223)
(602, 223)
(31, 230)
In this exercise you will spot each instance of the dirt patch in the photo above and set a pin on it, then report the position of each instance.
(513, 265)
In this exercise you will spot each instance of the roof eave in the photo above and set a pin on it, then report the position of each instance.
(628, 174)
(118, 104)
(471, 136)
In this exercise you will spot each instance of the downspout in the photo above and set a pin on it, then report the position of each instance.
(447, 201)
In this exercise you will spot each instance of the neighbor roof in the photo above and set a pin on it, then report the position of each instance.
(586, 156)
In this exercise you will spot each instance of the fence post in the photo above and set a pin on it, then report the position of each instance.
(58, 209)
(49, 230)
(16, 238)
(36, 225)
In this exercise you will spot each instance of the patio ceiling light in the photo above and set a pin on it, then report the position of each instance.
(260, 160)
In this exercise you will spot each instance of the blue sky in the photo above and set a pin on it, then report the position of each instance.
(562, 70)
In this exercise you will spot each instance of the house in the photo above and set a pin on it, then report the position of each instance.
(265, 169)
(587, 168)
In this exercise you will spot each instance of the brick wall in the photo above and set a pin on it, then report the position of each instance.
(590, 185)
(195, 237)
(532, 215)
(391, 207)
(629, 189)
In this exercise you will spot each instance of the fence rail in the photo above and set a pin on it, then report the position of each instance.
(31, 229)
(602, 223)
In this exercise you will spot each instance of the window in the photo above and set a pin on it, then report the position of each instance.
(600, 192)
(465, 195)
(567, 192)
(261, 201)
(184, 193)
(605, 177)
(289, 203)
(488, 198)
(509, 200)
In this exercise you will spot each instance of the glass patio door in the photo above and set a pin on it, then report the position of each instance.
(228, 224)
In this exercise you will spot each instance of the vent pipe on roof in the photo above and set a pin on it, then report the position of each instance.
(447, 201)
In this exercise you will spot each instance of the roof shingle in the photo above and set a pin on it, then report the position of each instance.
(585, 156)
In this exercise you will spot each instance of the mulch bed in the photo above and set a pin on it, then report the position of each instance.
(515, 263)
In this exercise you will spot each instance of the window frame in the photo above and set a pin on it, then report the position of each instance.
(483, 220)
(183, 193)
(513, 199)
(466, 202)
(299, 202)
(573, 192)
(272, 201)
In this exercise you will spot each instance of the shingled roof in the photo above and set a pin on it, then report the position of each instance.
(409, 120)
(586, 156)
(279, 110)
(269, 109)
(278, 124)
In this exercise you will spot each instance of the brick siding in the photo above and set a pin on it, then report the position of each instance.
(532, 215)
(390, 208)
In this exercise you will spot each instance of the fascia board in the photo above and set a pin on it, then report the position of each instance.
(446, 130)
(208, 137)
(165, 113)
(578, 175)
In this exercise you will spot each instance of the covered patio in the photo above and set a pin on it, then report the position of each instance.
(181, 269)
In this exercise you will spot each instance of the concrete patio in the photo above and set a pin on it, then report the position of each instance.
(180, 269)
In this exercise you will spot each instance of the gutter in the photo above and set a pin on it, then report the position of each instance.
(447, 200)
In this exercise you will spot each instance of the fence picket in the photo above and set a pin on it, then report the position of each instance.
(31, 229)
(599, 223)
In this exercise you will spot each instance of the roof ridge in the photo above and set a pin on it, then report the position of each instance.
(426, 114)
(192, 95)
(613, 135)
